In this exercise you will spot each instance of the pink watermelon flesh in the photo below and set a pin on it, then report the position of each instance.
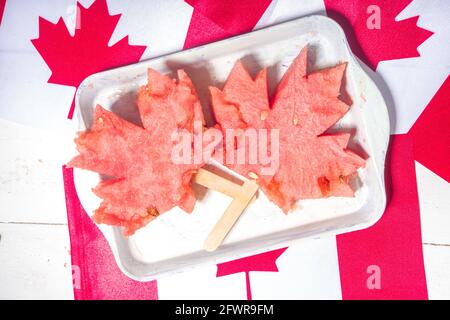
(145, 182)
(311, 164)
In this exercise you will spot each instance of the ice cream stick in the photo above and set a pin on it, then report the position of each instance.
(213, 181)
(231, 215)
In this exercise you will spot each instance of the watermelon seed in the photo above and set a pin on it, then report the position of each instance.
(296, 206)
(153, 212)
(264, 114)
(253, 175)
(295, 120)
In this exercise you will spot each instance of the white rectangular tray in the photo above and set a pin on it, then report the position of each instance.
(174, 241)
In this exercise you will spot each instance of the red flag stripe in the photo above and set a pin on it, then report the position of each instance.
(392, 248)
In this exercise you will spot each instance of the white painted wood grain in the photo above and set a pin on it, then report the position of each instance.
(202, 283)
(308, 269)
(434, 199)
(437, 269)
(35, 262)
(31, 188)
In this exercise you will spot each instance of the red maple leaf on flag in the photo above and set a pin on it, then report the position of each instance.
(431, 134)
(260, 262)
(2, 9)
(72, 58)
(215, 20)
(394, 243)
(392, 40)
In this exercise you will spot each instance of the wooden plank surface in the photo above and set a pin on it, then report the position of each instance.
(31, 188)
(35, 262)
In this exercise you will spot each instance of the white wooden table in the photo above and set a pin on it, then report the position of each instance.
(34, 238)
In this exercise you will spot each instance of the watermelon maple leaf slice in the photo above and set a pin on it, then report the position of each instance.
(311, 164)
(162, 94)
(87, 52)
(145, 180)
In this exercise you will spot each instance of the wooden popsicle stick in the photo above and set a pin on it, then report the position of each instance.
(231, 215)
(213, 181)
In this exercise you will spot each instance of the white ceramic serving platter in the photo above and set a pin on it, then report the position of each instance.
(174, 241)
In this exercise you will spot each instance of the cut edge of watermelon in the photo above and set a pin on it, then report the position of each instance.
(107, 213)
(333, 76)
(130, 226)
